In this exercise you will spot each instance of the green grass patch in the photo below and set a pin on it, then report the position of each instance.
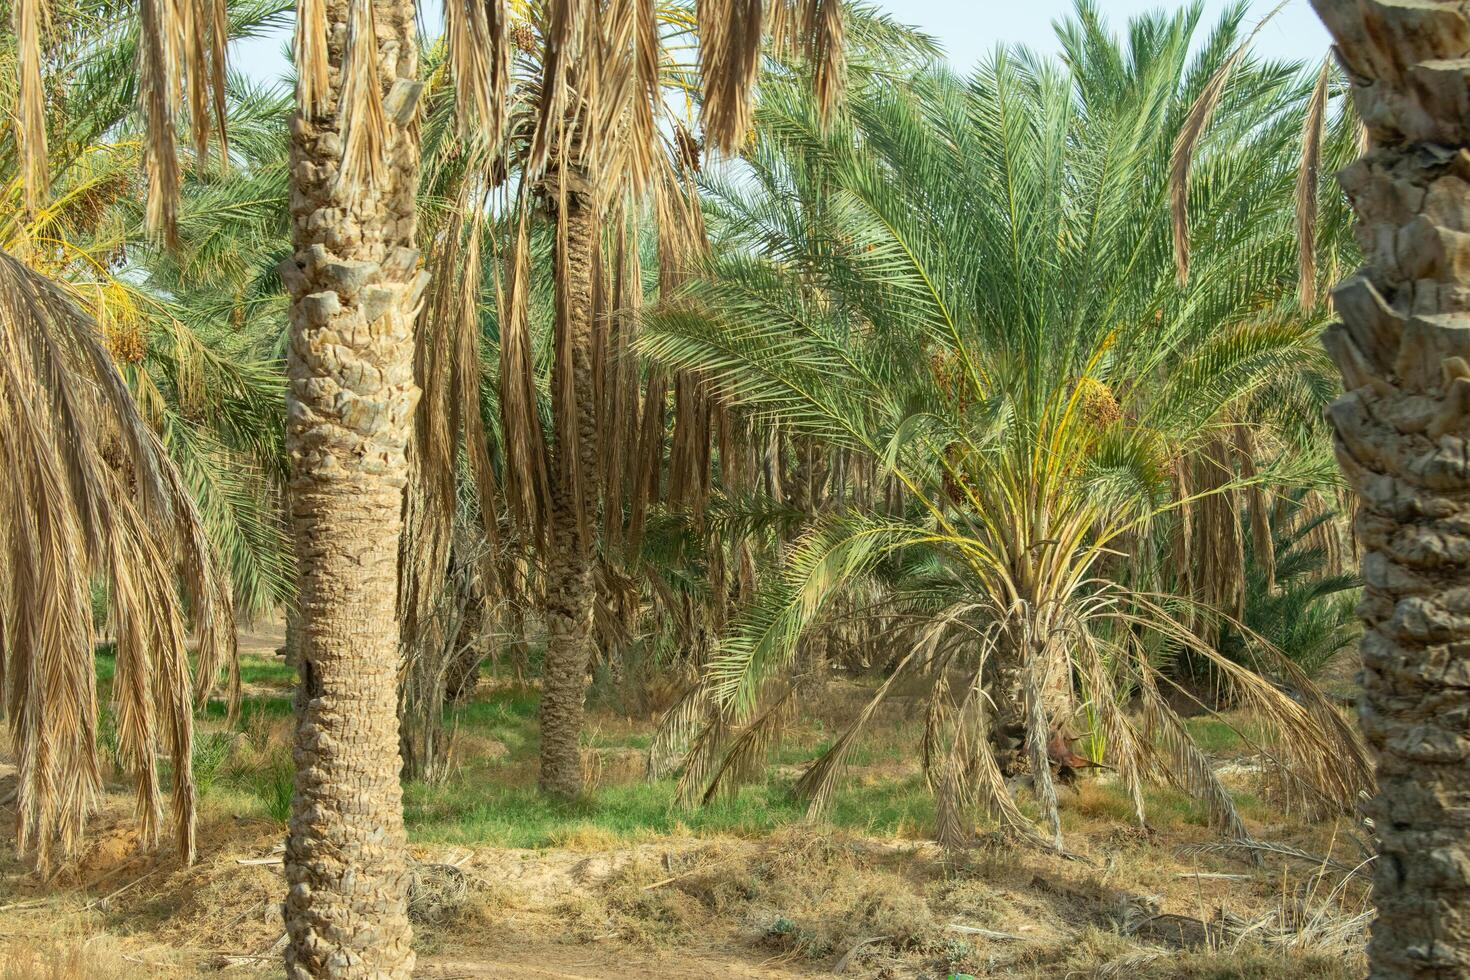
(1214, 736)
(255, 669)
(474, 812)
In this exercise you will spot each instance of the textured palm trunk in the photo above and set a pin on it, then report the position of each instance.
(350, 406)
(1404, 352)
(573, 519)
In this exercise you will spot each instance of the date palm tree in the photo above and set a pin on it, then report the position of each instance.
(1404, 353)
(355, 283)
(595, 143)
(974, 285)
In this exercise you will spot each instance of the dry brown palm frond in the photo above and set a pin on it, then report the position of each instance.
(181, 59)
(1218, 547)
(1253, 847)
(1184, 764)
(747, 751)
(622, 96)
(648, 460)
(565, 60)
(729, 56)
(155, 89)
(1314, 752)
(313, 64)
(468, 378)
(972, 779)
(1038, 735)
(646, 59)
(1263, 548)
(1306, 189)
(478, 37)
(526, 471)
(51, 701)
(89, 492)
(363, 120)
(1183, 544)
(1181, 159)
(818, 784)
(429, 496)
(822, 42)
(689, 452)
(29, 20)
(620, 406)
(819, 781)
(938, 714)
(676, 730)
(1125, 748)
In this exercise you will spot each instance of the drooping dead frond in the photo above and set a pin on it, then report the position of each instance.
(364, 122)
(972, 779)
(1306, 190)
(478, 36)
(1184, 764)
(467, 380)
(729, 57)
(155, 89)
(689, 453)
(1317, 757)
(526, 479)
(28, 20)
(1218, 548)
(181, 59)
(88, 492)
(564, 60)
(648, 461)
(1191, 133)
(1262, 547)
(1126, 750)
(937, 716)
(1254, 848)
(677, 729)
(748, 750)
(647, 55)
(313, 64)
(1038, 735)
(429, 496)
(819, 783)
(620, 408)
(822, 42)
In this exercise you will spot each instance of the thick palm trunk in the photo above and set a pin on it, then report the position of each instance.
(573, 517)
(350, 405)
(1404, 352)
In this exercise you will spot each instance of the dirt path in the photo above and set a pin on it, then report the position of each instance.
(556, 962)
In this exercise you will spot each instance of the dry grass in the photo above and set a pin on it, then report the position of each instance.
(88, 959)
(599, 889)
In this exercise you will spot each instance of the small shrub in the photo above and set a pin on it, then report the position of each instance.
(210, 752)
(275, 785)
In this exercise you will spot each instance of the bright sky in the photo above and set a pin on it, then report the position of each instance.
(970, 29)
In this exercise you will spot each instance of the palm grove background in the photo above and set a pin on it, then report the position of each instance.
(999, 393)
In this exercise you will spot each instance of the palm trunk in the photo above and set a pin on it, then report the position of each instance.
(1404, 353)
(350, 405)
(573, 519)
